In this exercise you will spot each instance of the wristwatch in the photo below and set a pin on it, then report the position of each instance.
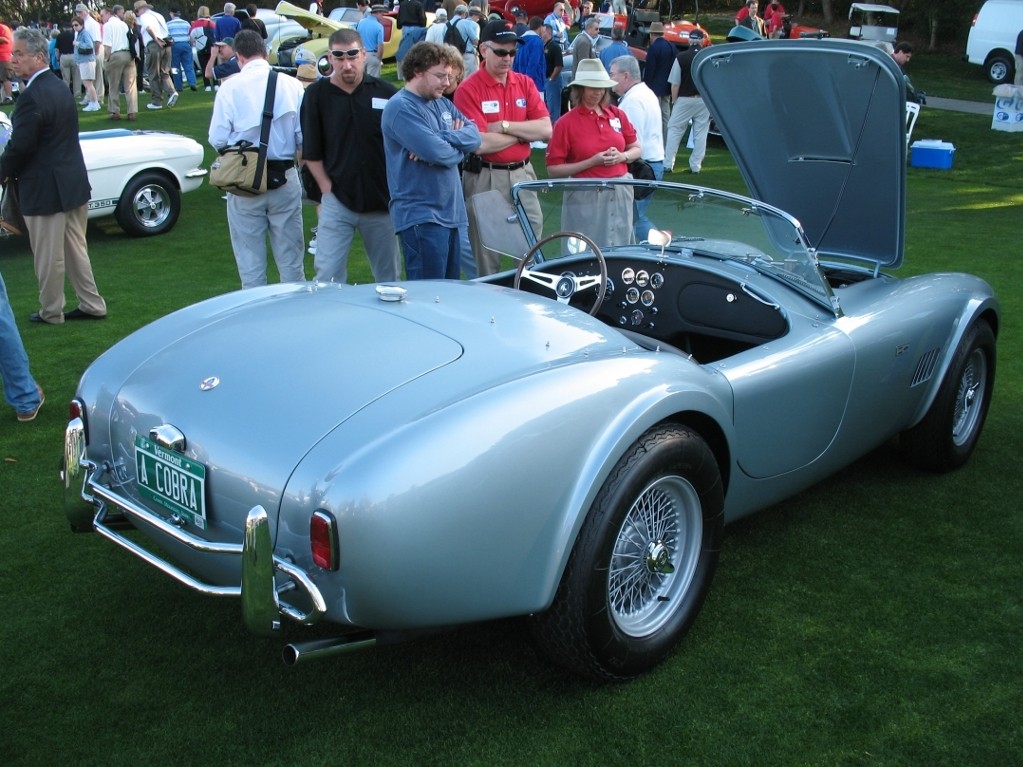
(505, 125)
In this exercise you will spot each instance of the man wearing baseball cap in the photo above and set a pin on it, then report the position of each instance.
(510, 114)
(223, 63)
(436, 31)
(521, 20)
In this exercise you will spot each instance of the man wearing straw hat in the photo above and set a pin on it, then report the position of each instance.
(510, 114)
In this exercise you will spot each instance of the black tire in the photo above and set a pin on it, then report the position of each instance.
(999, 69)
(150, 204)
(617, 612)
(945, 438)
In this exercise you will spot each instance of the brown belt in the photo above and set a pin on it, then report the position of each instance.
(503, 165)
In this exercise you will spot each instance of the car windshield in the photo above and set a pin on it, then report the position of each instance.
(686, 222)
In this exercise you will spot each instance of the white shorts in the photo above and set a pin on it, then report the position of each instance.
(87, 70)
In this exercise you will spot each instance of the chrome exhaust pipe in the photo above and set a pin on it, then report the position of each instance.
(324, 648)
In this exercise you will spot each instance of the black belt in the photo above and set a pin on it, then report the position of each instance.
(280, 164)
(503, 165)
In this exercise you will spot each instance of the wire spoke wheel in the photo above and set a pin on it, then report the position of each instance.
(655, 556)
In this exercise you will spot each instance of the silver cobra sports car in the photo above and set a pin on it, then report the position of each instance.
(567, 439)
(137, 176)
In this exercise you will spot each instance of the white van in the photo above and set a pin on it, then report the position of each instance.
(992, 40)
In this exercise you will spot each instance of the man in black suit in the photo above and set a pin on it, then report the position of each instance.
(44, 156)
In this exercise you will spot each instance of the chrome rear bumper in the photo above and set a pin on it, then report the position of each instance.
(87, 504)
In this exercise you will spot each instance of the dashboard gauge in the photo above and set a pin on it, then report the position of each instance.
(628, 276)
(632, 295)
(647, 298)
(642, 279)
(656, 280)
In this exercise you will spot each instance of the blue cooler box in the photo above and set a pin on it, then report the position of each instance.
(931, 153)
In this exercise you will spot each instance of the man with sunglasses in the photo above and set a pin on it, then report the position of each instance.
(510, 114)
(343, 147)
(425, 139)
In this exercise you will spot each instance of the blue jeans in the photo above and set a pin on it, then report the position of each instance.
(20, 388)
(181, 61)
(432, 251)
(552, 98)
(641, 224)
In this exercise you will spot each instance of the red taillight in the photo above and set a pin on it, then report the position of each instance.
(323, 540)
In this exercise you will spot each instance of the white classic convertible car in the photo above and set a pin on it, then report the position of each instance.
(138, 176)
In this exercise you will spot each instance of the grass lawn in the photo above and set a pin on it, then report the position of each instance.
(872, 620)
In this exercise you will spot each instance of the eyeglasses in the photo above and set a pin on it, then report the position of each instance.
(441, 77)
(501, 52)
(351, 53)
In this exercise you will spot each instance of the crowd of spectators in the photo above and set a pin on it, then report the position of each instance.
(398, 167)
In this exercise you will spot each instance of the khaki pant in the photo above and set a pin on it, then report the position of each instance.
(69, 71)
(59, 247)
(101, 90)
(120, 68)
(487, 261)
(158, 60)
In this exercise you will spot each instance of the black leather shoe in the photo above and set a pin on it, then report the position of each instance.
(36, 317)
(78, 314)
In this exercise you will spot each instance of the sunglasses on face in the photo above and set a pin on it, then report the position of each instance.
(502, 52)
(351, 53)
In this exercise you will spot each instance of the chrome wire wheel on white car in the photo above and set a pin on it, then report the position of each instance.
(655, 556)
(643, 561)
(149, 205)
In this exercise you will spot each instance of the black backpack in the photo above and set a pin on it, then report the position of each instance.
(453, 37)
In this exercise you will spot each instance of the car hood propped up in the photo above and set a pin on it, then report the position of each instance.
(818, 129)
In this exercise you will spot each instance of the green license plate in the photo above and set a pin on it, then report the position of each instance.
(171, 480)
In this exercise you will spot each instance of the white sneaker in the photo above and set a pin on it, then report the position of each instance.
(92, 107)
(208, 88)
(312, 247)
(154, 106)
(172, 100)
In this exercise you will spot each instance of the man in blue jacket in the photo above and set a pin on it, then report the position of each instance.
(425, 139)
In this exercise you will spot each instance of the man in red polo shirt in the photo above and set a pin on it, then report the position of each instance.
(510, 114)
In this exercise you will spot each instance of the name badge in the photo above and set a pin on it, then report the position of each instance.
(616, 124)
(379, 103)
(491, 107)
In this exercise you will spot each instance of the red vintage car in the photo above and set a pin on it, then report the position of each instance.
(532, 8)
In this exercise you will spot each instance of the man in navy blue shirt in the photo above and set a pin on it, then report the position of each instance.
(660, 57)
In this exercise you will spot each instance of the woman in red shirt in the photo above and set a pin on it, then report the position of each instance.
(595, 139)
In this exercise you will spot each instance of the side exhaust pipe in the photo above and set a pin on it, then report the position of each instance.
(324, 648)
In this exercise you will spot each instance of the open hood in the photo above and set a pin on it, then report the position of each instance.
(818, 129)
(318, 26)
